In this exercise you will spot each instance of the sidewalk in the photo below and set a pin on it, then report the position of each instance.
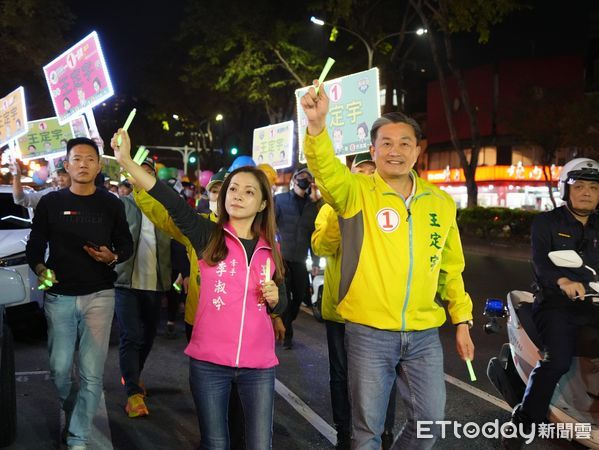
(504, 249)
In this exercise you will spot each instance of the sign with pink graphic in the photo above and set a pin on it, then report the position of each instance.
(78, 79)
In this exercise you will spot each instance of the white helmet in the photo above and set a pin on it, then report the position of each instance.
(577, 169)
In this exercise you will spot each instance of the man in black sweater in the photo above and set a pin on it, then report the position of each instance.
(87, 234)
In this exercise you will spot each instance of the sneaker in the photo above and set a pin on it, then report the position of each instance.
(287, 344)
(136, 406)
(140, 384)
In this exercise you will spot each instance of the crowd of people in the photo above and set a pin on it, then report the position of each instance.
(393, 256)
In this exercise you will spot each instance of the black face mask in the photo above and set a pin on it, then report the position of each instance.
(303, 183)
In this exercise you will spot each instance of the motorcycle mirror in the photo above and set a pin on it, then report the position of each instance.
(565, 258)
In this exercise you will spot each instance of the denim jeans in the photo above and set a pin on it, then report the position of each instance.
(138, 313)
(375, 358)
(338, 382)
(211, 387)
(87, 317)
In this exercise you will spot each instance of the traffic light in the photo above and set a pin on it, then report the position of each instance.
(192, 159)
(234, 151)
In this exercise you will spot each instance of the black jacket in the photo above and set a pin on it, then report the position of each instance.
(295, 219)
(559, 230)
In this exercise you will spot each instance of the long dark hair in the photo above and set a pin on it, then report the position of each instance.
(264, 224)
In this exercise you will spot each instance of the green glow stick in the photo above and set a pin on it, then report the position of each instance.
(325, 72)
(138, 158)
(46, 283)
(119, 140)
(470, 370)
(177, 287)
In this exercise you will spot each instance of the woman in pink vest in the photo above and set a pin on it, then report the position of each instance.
(242, 282)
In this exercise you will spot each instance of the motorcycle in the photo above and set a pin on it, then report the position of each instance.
(576, 397)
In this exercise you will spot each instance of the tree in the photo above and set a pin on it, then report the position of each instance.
(31, 34)
(554, 119)
(383, 28)
(249, 51)
(447, 17)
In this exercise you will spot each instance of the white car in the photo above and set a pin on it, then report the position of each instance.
(15, 223)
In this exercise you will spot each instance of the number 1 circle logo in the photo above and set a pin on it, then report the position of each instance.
(388, 219)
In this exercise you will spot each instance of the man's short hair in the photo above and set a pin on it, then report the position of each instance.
(394, 117)
(82, 141)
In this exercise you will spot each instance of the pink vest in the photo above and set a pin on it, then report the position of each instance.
(231, 327)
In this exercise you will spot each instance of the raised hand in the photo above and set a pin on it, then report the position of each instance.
(316, 107)
(122, 152)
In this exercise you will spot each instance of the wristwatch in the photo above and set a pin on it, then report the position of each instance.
(113, 262)
(470, 323)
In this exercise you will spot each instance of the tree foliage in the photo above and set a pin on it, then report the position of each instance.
(31, 33)
(248, 52)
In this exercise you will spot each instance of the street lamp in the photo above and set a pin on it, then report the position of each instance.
(219, 117)
(369, 48)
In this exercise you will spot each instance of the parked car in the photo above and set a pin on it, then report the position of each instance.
(15, 225)
(13, 291)
(316, 286)
(20, 302)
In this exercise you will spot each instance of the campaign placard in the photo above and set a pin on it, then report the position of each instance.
(13, 116)
(354, 104)
(273, 145)
(78, 79)
(46, 138)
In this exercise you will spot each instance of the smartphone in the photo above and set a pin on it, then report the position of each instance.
(93, 245)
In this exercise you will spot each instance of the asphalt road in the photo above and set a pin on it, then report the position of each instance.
(303, 417)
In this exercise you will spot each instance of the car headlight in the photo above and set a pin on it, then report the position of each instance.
(18, 259)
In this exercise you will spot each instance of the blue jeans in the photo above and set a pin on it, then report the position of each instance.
(138, 313)
(89, 318)
(338, 382)
(375, 358)
(211, 387)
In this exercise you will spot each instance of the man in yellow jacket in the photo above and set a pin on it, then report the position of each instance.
(400, 248)
(326, 241)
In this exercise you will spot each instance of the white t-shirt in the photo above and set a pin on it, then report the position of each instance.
(145, 275)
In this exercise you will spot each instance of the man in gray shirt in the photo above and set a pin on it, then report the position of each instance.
(30, 199)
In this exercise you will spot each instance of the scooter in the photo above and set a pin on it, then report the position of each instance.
(576, 397)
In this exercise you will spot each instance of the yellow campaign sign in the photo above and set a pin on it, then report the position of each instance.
(13, 116)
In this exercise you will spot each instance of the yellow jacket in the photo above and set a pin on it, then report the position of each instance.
(159, 216)
(394, 259)
(326, 242)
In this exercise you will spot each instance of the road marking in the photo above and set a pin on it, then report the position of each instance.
(34, 372)
(306, 412)
(478, 392)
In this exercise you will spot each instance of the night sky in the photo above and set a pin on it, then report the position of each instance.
(132, 32)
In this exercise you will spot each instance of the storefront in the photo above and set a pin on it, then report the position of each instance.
(515, 186)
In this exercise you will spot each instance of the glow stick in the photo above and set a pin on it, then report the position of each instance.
(177, 287)
(119, 140)
(267, 270)
(470, 370)
(325, 72)
(138, 156)
(46, 283)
